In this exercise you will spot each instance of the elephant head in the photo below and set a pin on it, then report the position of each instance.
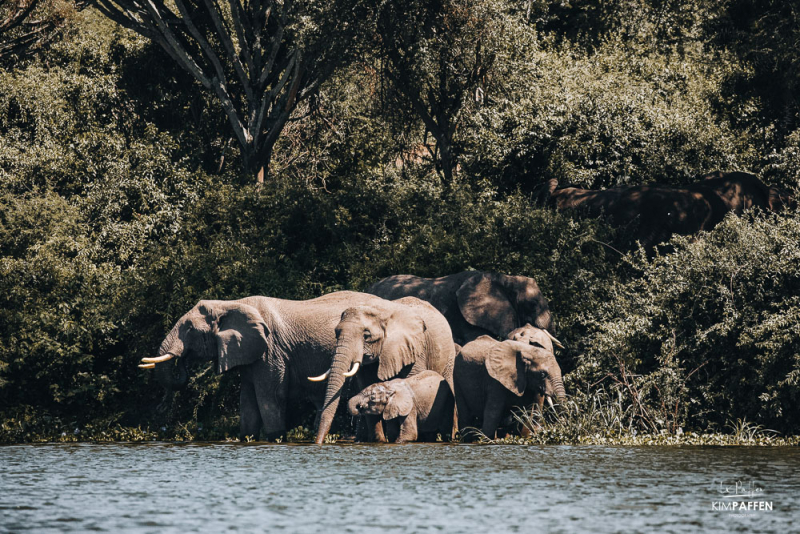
(391, 335)
(390, 400)
(518, 366)
(537, 337)
(229, 333)
(500, 303)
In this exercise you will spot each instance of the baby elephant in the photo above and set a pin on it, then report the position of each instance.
(417, 407)
(491, 377)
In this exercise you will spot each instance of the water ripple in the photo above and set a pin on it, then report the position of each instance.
(395, 488)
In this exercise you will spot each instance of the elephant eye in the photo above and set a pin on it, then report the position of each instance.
(367, 335)
(536, 344)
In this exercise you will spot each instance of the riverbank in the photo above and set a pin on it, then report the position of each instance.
(54, 431)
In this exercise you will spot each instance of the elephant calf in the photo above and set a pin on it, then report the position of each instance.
(491, 377)
(417, 407)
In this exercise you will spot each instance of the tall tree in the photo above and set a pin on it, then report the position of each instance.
(27, 24)
(437, 53)
(261, 58)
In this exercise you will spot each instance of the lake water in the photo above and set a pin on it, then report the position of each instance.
(394, 488)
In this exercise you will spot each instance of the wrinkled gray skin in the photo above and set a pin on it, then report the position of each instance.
(475, 303)
(388, 340)
(276, 344)
(492, 377)
(414, 408)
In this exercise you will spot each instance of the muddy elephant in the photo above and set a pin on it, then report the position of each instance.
(475, 303)
(383, 340)
(274, 343)
(493, 377)
(416, 408)
(652, 212)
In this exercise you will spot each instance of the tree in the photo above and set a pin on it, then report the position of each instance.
(437, 53)
(261, 58)
(27, 24)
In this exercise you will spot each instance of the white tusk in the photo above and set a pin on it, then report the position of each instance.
(353, 371)
(550, 403)
(159, 359)
(556, 342)
(147, 366)
(321, 377)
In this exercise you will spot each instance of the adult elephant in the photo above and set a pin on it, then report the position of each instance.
(391, 339)
(475, 303)
(275, 344)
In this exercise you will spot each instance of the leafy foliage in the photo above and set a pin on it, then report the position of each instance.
(121, 206)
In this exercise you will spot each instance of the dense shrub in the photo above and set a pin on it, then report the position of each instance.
(708, 334)
(612, 116)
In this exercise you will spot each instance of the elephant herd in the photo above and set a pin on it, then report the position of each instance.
(423, 354)
(657, 211)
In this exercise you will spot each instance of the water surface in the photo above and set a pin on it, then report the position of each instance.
(393, 488)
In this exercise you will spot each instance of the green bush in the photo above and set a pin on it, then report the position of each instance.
(709, 333)
(612, 116)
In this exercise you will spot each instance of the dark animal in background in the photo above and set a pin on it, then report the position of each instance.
(653, 212)
(738, 190)
(415, 408)
(475, 303)
(741, 191)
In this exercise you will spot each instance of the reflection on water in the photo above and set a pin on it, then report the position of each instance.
(391, 488)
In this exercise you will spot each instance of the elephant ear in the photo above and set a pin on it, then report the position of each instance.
(241, 336)
(484, 304)
(400, 403)
(505, 365)
(403, 342)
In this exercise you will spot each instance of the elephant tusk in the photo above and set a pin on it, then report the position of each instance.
(353, 371)
(550, 403)
(555, 341)
(321, 377)
(147, 366)
(159, 359)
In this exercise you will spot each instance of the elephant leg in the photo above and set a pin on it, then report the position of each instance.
(464, 416)
(250, 417)
(272, 398)
(408, 429)
(375, 429)
(493, 412)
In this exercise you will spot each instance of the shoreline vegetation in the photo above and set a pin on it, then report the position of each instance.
(561, 426)
(125, 199)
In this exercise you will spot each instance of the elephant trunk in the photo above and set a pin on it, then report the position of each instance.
(346, 354)
(557, 384)
(165, 371)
